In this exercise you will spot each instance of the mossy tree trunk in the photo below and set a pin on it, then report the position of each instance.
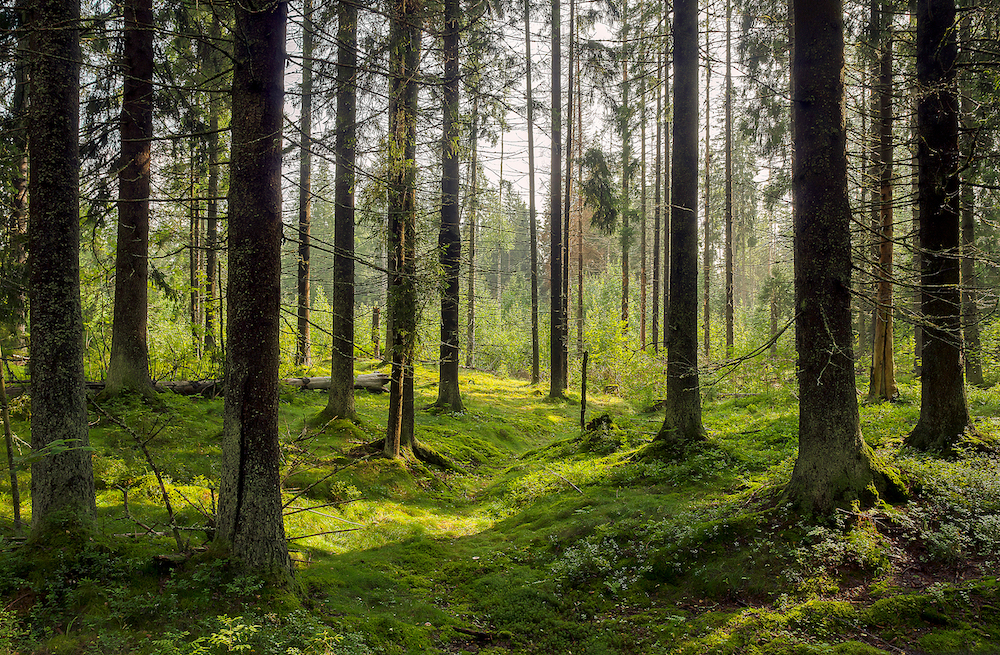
(405, 32)
(128, 367)
(834, 463)
(340, 401)
(450, 235)
(62, 477)
(212, 214)
(250, 520)
(682, 423)
(944, 411)
(970, 282)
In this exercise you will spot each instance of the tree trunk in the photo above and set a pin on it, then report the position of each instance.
(657, 206)
(706, 258)
(450, 235)
(532, 220)
(944, 412)
(17, 226)
(564, 328)
(682, 423)
(340, 401)
(62, 477)
(730, 300)
(883, 372)
(970, 290)
(834, 463)
(643, 280)
(303, 346)
(212, 281)
(404, 57)
(129, 364)
(470, 337)
(557, 307)
(251, 526)
(626, 131)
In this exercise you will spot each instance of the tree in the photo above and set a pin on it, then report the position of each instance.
(250, 522)
(730, 301)
(682, 423)
(944, 411)
(450, 236)
(834, 463)
(212, 280)
(532, 221)
(340, 401)
(557, 304)
(883, 371)
(404, 57)
(129, 364)
(303, 346)
(62, 476)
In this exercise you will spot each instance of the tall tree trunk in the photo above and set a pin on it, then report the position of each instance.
(883, 377)
(668, 236)
(730, 300)
(557, 306)
(251, 525)
(917, 264)
(682, 423)
(450, 235)
(626, 130)
(470, 337)
(564, 328)
(303, 345)
(657, 206)
(970, 291)
(579, 212)
(340, 401)
(17, 225)
(643, 281)
(62, 476)
(706, 257)
(129, 364)
(834, 463)
(532, 220)
(212, 281)
(194, 255)
(944, 412)
(405, 26)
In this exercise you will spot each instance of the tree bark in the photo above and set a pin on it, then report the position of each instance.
(883, 372)
(970, 282)
(730, 300)
(17, 226)
(944, 412)
(212, 281)
(340, 401)
(834, 463)
(405, 29)
(557, 304)
(657, 205)
(450, 235)
(470, 345)
(128, 368)
(706, 260)
(251, 526)
(682, 423)
(62, 477)
(303, 345)
(532, 214)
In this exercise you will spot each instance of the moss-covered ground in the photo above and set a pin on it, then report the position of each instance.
(541, 538)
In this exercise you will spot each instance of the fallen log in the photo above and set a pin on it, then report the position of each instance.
(373, 382)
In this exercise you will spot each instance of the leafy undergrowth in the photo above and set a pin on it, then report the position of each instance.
(540, 538)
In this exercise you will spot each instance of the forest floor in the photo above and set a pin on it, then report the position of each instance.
(541, 538)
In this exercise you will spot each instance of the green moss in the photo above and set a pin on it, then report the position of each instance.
(902, 610)
(968, 640)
